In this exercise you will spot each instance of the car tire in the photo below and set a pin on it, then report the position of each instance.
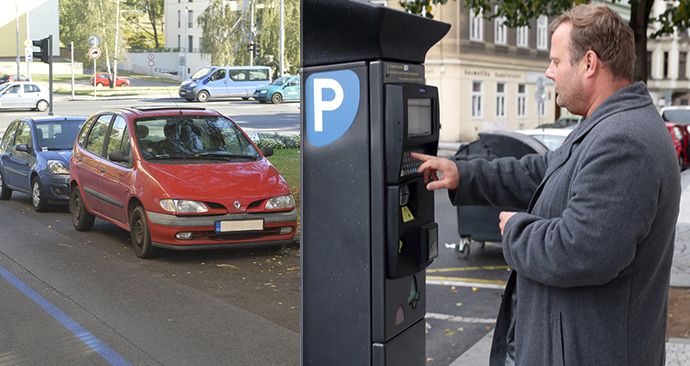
(262, 101)
(5, 193)
(99, 84)
(203, 96)
(38, 198)
(245, 98)
(42, 105)
(277, 98)
(140, 236)
(81, 218)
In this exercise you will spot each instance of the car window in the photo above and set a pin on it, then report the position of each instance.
(677, 116)
(14, 89)
(294, 82)
(202, 73)
(23, 135)
(8, 137)
(238, 75)
(218, 75)
(94, 143)
(85, 131)
(118, 135)
(678, 133)
(57, 135)
(31, 88)
(258, 75)
(193, 137)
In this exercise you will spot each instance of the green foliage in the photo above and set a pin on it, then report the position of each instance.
(276, 141)
(268, 36)
(224, 34)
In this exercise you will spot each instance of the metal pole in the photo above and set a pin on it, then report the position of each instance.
(28, 37)
(251, 31)
(94, 77)
(50, 74)
(282, 36)
(71, 47)
(16, 12)
(113, 84)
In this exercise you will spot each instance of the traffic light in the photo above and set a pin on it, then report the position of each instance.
(250, 47)
(256, 50)
(45, 44)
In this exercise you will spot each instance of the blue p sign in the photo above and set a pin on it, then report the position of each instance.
(332, 100)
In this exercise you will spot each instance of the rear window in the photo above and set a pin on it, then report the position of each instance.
(178, 138)
(57, 135)
(677, 115)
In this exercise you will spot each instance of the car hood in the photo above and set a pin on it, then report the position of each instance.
(245, 182)
(270, 88)
(61, 155)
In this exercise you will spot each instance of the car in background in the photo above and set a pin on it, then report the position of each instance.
(552, 138)
(103, 79)
(8, 78)
(681, 137)
(186, 178)
(23, 95)
(679, 115)
(34, 158)
(219, 82)
(562, 122)
(286, 88)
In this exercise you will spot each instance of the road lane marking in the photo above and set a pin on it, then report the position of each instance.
(461, 269)
(466, 282)
(459, 319)
(80, 332)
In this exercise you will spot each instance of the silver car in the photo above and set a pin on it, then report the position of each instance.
(23, 95)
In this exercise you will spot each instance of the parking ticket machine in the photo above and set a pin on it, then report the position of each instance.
(368, 229)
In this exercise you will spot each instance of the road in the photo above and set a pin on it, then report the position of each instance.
(227, 307)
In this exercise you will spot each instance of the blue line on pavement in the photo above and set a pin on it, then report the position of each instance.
(84, 335)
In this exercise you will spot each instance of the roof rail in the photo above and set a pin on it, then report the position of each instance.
(144, 108)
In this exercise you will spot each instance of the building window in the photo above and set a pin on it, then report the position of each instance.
(650, 59)
(500, 29)
(190, 18)
(190, 43)
(476, 99)
(179, 45)
(476, 26)
(665, 65)
(541, 106)
(523, 36)
(521, 100)
(682, 62)
(542, 33)
(500, 100)
(179, 18)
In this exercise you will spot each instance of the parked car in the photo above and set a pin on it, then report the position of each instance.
(178, 179)
(563, 122)
(218, 82)
(34, 158)
(282, 89)
(680, 137)
(103, 79)
(23, 95)
(552, 138)
(679, 115)
(8, 78)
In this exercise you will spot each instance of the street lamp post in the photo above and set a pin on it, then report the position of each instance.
(186, 40)
(16, 12)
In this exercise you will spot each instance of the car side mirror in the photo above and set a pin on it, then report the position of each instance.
(23, 148)
(267, 151)
(118, 157)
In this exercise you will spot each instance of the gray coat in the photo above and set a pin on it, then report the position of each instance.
(591, 256)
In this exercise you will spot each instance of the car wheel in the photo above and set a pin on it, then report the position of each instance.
(139, 233)
(99, 84)
(277, 98)
(203, 96)
(5, 193)
(38, 199)
(42, 105)
(81, 218)
(245, 98)
(262, 101)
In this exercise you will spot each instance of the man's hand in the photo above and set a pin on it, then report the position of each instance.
(503, 218)
(431, 165)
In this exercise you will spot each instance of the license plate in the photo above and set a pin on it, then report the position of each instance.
(240, 225)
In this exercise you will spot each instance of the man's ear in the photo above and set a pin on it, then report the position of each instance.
(591, 61)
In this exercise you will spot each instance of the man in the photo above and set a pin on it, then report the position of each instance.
(591, 255)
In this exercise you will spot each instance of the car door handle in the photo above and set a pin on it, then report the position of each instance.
(101, 170)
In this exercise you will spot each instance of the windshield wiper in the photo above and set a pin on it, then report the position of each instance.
(168, 156)
(223, 155)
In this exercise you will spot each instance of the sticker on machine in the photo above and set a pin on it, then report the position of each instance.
(331, 102)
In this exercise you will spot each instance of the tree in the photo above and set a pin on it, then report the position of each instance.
(143, 19)
(519, 12)
(268, 35)
(224, 34)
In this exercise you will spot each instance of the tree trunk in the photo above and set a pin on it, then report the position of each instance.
(152, 17)
(639, 20)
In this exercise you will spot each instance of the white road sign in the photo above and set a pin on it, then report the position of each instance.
(94, 53)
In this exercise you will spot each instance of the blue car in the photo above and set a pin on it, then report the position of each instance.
(34, 158)
(282, 89)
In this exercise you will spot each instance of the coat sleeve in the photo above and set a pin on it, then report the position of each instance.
(611, 207)
(507, 183)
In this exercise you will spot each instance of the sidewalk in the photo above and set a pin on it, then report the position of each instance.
(677, 349)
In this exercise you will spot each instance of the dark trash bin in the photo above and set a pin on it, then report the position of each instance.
(479, 224)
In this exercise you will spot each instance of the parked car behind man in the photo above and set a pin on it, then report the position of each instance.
(23, 95)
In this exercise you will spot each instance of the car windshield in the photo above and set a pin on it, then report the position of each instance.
(202, 73)
(681, 116)
(279, 81)
(57, 135)
(193, 137)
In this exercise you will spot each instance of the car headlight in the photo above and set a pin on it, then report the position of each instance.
(280, 202)
(192, 84)
(57, 167)
(183, 206)
(263, 91)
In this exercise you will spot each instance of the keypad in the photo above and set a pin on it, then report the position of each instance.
(409, 164)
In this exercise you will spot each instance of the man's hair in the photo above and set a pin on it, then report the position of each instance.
(602, 30)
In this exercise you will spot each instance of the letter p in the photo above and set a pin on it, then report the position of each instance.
(321, 105)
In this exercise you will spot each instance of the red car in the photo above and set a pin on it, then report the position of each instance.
(178, 179)
(104, 80)
(681, 139)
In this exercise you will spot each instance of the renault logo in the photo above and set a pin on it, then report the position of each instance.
(236, 204)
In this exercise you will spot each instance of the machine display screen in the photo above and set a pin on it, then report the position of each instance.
(418, 117)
